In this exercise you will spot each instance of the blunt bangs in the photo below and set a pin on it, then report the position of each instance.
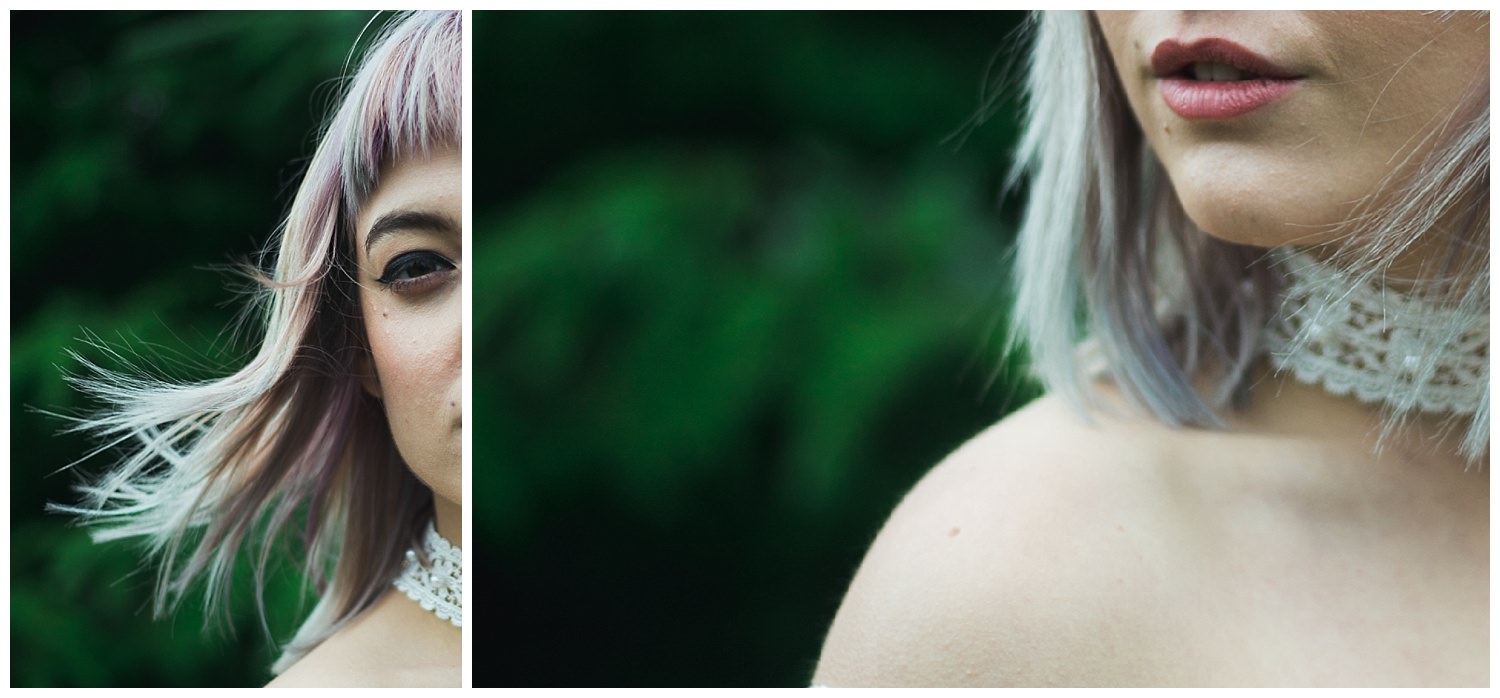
(407, 101)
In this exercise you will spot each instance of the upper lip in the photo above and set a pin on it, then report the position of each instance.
(1172, 57)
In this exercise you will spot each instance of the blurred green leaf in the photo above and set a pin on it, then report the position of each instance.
(147, 147)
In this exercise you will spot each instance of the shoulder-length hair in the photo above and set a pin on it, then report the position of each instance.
(1107, 254)
(291, 442)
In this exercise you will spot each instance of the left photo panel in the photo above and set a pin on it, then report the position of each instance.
(236, 360)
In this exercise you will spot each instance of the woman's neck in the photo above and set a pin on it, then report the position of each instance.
(449, 517)
(1423, 451)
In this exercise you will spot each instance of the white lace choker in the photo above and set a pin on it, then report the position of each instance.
(1380, 345)
(435, 579)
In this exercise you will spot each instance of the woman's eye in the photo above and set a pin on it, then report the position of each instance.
(412, 267)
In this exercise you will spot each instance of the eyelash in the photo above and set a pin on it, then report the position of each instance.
(435, 266)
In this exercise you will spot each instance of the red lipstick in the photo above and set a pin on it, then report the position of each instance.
(1216, 79)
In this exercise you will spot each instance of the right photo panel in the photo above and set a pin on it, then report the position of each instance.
(844, 349)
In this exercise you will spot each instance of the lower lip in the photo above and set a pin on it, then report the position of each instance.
(1203, 99)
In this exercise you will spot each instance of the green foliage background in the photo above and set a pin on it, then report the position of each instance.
(735, 290)
(145, 149)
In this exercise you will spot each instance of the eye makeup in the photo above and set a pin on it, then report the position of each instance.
(416, 271)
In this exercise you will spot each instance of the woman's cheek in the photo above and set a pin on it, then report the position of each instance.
(417, 355)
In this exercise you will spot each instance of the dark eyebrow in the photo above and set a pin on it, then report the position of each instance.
(408, 220)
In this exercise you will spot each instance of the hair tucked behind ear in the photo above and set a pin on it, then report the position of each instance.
(291, 442)
(1107, 253)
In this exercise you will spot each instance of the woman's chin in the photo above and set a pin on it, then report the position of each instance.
(1262, 216)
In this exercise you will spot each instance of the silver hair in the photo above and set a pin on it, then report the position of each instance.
(1108, 263)
(290, 442)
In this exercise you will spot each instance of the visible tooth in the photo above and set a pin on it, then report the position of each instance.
(1217, 72)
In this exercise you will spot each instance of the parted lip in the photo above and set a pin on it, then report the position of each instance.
(1172, 58)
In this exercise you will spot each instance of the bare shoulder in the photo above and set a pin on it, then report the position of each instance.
(1025, 558)
(337, 662)
(394, 643)
(349, 672)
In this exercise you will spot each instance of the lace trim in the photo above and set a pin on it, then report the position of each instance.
(1379, 345)
(435, 579)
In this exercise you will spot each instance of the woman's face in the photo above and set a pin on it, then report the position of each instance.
(1318, 107)
(409, 244)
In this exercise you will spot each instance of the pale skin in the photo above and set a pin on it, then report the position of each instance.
(409, 272)
(1290, 548)
(1378, 87)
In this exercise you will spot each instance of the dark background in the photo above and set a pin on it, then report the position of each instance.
(738, 284)
(146, 148)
